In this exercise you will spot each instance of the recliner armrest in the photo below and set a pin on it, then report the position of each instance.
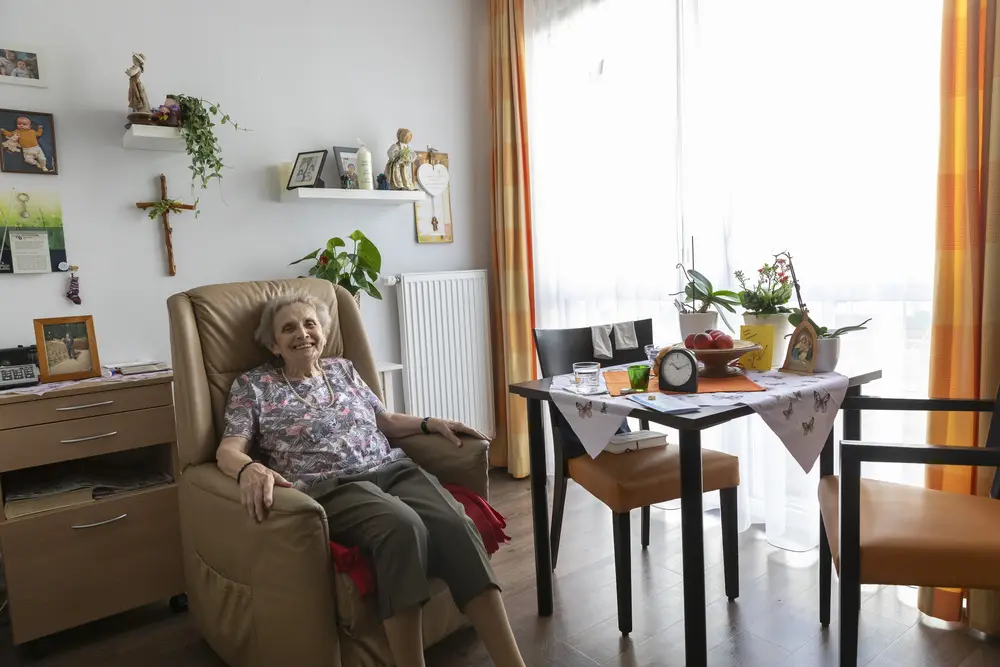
(466, 466)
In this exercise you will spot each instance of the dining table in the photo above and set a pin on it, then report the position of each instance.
(689, 426)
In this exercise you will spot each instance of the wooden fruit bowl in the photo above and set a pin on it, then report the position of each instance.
(717, 363)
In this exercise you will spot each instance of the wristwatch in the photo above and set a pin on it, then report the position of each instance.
(423, 425)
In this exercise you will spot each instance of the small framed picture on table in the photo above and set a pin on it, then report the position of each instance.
(67, 348)
(307, 170)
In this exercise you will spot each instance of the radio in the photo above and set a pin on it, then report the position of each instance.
(18, 366)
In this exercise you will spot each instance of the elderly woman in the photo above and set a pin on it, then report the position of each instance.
(319, 428)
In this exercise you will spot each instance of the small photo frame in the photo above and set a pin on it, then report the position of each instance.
(67, 348)
(21, 67)
(28, 142)
(801, 355)
(307, 170)
(347, 166)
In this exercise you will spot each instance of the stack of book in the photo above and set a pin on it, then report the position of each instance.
(38, 490)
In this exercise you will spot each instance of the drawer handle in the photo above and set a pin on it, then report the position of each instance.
(89, 437)
(99, 523)
(81, 407)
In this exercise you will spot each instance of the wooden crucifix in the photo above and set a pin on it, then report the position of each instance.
(165, 207)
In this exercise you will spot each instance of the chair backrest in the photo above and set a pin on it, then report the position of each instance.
(212, 343)
(993, 442)
(559, 349)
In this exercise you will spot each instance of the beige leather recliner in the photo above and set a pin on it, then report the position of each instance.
(266, 594)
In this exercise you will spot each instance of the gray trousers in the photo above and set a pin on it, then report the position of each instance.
(411, 528)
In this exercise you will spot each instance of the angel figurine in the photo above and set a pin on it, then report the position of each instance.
(400, 166)
(137, 99)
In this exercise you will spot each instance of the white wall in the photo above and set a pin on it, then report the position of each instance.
(304, 75)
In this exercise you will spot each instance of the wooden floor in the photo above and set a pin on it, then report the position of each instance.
(774, 622)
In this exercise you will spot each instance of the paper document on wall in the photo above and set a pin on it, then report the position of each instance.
(30, 252)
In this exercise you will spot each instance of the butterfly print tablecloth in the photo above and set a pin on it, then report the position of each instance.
(800, 409)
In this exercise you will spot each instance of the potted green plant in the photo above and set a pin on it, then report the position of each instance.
(827, 340)
(196, 118)
(700, 296)
(355, 271)
(764, 302)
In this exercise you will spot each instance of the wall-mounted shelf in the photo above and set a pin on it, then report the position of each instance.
(153, 138)
(390, 197)
(383, 197)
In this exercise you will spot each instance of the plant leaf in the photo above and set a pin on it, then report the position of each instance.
(335, 242)
(357, 235)
(370, 255)
(311, 255)
(373, 291)
(704, 283)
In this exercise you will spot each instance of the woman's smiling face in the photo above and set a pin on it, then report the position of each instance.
(298, 336)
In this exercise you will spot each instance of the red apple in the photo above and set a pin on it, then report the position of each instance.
(723, 342)
(702, 341)
(689, 341)
(715, 333)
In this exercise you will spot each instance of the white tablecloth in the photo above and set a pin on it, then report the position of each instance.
(800, 409)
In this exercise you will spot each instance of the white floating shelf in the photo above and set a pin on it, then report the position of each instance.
(389, 197)
(153, 138)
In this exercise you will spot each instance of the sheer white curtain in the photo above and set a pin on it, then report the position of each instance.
(754, 127)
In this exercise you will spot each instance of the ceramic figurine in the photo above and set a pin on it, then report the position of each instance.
(400, 165)
(138, 102)
(383, 182)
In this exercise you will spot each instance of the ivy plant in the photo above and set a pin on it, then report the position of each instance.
(197, 118)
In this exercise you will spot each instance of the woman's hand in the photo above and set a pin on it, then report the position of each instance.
(257, 489)
(451, 429)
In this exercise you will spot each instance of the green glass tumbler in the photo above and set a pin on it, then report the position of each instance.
(638, 377)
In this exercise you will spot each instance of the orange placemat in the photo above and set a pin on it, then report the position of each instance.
(618, 380)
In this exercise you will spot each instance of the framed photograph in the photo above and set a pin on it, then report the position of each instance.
(21, 67)
(27, 142)
(307, 170)
(347, 166)
(67, 348)
(433, 215)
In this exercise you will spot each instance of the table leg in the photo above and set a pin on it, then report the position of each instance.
(540, 508)
(693, 538)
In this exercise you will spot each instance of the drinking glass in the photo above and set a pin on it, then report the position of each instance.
(651, 352)
(638, 377)
(587, 376)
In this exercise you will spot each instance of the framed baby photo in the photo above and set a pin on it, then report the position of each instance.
(307, 170)
(67, 348)
(347, 166)
(21, 66)
(28, 142)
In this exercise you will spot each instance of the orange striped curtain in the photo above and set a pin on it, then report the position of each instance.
(966, 325)
(512, 284)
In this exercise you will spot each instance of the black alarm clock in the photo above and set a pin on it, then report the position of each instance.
(677, 369)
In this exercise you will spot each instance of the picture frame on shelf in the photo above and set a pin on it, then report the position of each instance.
(28, 142)
(307, 170)
(22, 66)
(347, 166)
(67, 348)
(432, 216)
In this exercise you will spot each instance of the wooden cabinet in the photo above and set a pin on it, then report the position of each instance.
(68, 566)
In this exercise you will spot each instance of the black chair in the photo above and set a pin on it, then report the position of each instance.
(893, 534)
(631, 480)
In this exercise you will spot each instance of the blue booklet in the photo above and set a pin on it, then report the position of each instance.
(668, 405)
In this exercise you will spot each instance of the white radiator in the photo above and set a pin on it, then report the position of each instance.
(445, 329)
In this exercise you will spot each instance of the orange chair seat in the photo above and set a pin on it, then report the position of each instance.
(635, 479)
(912, 536)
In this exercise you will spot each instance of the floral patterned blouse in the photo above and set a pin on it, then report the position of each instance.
(303, 442)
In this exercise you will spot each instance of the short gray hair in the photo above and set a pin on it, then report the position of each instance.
(265, 330)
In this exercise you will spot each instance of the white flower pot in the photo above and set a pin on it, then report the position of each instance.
(697, 322)
(827, 354)
(781, 329)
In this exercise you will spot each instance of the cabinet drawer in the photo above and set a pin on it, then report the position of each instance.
(63, 408)
(79, 438)
(72, 566)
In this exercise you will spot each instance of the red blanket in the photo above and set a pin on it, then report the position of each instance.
(353, 563)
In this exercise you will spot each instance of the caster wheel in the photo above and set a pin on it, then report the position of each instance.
(179, 603)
